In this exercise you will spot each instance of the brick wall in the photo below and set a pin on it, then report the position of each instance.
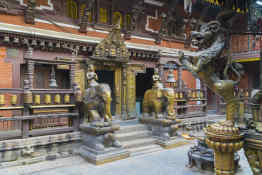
(188, 79)
(6, 70)
(244, 43)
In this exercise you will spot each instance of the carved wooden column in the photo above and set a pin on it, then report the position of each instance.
(97, 11)
(29, 13)
(260, 65)
(72, 75)
(30, 73)
(161, 73)
(179, 77)
(28, 100)
(118, 87)
(124, 92)
(30, 66)
(131, 92)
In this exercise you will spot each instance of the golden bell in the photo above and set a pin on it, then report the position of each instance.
(67, 98)
(180, 95)
(57, 99)
(198, 94)
(176, 95)
(37, 99)
(28, 97)
(13, 100)
(193, 94)
(48, 99)
(201, 94)
(2, 99)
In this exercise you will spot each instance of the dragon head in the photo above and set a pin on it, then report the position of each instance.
(209, 31)
(206, 34)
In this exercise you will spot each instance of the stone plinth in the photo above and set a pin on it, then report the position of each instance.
(36, 149)
(99, 144)
(253, 150)
(225, 140)
(164, 130)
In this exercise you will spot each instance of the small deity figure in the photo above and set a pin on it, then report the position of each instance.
(157, 80)
(91, 76)
(158, 100)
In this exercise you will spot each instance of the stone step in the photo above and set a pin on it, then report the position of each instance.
(131, 128)
(144, 150)
(138, 142)
(133, 135)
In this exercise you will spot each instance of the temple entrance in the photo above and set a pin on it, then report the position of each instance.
(143, 82)
(212, 101)
(107, 77)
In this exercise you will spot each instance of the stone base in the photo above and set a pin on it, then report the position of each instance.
(253, 150)
(172, 142)
(164, 130)
(102, 157)
(36, 149)
(99, 144)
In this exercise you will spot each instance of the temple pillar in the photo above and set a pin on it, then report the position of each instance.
(124, 115)
(118, 87)
(179, 77)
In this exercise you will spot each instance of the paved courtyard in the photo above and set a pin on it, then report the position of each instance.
(166, 162)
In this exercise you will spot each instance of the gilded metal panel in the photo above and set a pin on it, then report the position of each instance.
(131, 91)
(80, 78)
(118, 87)
(118, 83)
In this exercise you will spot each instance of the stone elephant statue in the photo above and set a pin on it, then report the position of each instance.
(96, 103)
(159, 102)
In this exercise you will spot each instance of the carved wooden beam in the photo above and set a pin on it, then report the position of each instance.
(84, 19)
(29, 13)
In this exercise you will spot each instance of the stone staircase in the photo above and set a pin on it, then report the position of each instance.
(137, 139)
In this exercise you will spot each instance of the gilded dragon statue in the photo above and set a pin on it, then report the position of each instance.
(213, 65)
(211, 60)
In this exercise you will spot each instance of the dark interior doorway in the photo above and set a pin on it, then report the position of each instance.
(107, 77)
(143, 82)
(211, 100)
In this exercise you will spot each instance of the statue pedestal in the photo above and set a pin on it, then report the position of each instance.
(225, 140)
(202, 157)
(164, 130)
(100, 145)
(253, 150)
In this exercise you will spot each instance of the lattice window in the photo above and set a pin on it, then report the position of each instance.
(116, 16)
(103, 15)
(72, 9)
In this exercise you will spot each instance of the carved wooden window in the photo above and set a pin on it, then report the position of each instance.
(63, 79)
(116, 17)
(128, 19)
(72, 9)
(41, 77)
(103, 14)
(83, 6)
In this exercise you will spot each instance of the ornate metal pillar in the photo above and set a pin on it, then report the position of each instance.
(118, 88)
